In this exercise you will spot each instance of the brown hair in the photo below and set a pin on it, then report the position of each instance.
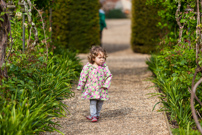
(94, 52)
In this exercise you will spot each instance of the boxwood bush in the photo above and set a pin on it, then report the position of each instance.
(115, 14)
(76, 24)
(145, 33)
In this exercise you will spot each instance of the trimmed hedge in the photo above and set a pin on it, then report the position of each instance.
(77, 24)
(61, 22)
(84, 24)
(115, 13)
(145, 33)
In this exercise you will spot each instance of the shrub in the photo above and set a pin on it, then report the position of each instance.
(61, 23)
(115, 13)
(145, 33)
(173, 73)
(84, 25)
(77, 24)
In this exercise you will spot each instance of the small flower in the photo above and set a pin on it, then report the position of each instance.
(43, 41)
(18, 15)
(41, 12)
(50, 29)
(25, 24)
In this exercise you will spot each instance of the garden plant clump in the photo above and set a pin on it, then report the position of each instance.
(175, 65)
(36, 80)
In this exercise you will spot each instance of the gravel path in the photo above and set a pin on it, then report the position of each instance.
(129, 110)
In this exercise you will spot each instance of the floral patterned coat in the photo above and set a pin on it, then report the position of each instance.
(95, 82)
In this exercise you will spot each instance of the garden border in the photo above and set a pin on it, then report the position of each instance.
(167, 122)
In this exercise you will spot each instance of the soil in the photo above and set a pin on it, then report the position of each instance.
(129, 109)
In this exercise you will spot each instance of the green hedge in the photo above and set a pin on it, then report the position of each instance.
(115, 13)
(61, 22)
(84, 24)
(144, 30)
(76, 23)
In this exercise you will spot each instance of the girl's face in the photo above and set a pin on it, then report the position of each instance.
(100, 59)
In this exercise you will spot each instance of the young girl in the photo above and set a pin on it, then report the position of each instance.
(95, 80)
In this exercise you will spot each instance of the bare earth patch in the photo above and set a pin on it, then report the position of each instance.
(129, 110)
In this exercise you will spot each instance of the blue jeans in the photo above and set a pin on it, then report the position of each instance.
(95, 107)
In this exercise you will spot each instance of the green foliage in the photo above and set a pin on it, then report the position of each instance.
(39, 84)
(45, 4)
(84, 24)
(79, 28)
(175, 65)
(187, 131)
(173, 73)
(61, 22)
(16, 118)
(145, 32)
(31, 95)
(115, 13)
(168, 24)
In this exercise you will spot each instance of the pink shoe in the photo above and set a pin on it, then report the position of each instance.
(94, 119)
(89, 117)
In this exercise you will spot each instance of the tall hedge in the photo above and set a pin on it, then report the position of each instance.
(60, 22)
(77, 24)
(145, 33)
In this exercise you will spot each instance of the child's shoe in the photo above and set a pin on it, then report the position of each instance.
(98, 117)
(94, 119)
(89, 117)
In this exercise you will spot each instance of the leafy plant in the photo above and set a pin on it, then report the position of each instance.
(32, 92)
(173, 72)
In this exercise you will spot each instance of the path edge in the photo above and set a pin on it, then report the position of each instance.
(167, 123)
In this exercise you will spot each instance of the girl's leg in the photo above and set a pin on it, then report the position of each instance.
(101, 38)
(99, 106)
(93, 109)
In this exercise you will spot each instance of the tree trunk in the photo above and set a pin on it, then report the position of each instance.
(4, 30)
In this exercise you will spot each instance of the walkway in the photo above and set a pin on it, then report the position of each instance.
(129, 110)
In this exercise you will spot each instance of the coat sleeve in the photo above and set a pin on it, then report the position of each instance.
(83, 78)
(102, 21)
(108, 79)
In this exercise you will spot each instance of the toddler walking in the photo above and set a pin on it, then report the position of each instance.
(95, 80)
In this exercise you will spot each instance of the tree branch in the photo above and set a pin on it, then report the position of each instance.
(43, 24)
(197, 31)
(4, 30)
(178, 21)
(28, 10)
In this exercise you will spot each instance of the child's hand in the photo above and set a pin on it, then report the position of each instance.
(104, 88)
